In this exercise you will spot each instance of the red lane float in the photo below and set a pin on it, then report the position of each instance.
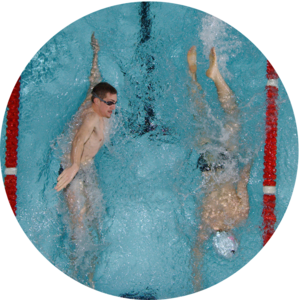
(270, 151)
(12, 132)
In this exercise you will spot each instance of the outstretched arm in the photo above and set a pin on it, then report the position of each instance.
(197, 257)
(80, 139)
(95, 76)
(242, 189)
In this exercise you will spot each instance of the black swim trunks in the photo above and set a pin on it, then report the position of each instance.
(61, 169)
(207, 162)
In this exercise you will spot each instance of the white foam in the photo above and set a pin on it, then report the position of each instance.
(213, 33)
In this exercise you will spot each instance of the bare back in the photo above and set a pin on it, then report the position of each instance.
(223, 209)
(226, 205)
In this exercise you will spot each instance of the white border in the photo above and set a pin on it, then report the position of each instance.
(271, 25)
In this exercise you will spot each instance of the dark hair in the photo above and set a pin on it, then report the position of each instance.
(102, 88)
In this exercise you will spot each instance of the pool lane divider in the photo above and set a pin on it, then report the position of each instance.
(270, 151)
(11, 155)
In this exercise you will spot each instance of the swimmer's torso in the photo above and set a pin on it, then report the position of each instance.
(223, 209)
(95, 140)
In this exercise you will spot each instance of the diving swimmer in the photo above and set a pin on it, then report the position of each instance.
(77, 176)
(226, 203)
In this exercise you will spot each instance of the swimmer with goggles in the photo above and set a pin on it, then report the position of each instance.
(109, 103)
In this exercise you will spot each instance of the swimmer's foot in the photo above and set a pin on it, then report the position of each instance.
(94, 43)
(192, 59)
(213, 70)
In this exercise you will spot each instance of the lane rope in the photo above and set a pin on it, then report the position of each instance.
(11, 155)
(270, 151)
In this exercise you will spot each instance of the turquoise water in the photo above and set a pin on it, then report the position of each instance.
(148, 172)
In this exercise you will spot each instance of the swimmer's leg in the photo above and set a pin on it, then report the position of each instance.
(92, 221)
(76, 208)
(197, 93)
(74, 198)
(78, 204)
(95, 76)
(226, 98)
(192, 61)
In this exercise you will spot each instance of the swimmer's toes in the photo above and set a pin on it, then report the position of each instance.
(213, 66)
(192, 59)
(192, 49)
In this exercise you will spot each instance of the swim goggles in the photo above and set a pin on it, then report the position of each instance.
(109, 103)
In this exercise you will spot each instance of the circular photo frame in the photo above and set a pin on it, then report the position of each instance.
(151, 155)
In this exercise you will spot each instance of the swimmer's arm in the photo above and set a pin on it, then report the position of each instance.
(81, 138)
(242, 189)
(203, 234)
(87, 99)
(95, 76)
(79, 141)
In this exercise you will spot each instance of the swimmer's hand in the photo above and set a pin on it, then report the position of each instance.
(94, 43)
(66, 177)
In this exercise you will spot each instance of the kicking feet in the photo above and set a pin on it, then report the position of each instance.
(192, 59)
(213, 70)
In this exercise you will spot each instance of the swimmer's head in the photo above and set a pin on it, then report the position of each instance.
(225, 244)
(104, 98)
(102, 89)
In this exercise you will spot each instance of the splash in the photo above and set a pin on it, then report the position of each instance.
(214, 33)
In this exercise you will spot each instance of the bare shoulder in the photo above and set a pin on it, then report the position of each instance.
(89, 117)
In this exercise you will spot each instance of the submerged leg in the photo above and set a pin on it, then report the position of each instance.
(76, 205)
(92, 218)
(81, 211)
(74, 199)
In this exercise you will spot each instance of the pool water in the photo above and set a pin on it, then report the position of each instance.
(147, 169)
